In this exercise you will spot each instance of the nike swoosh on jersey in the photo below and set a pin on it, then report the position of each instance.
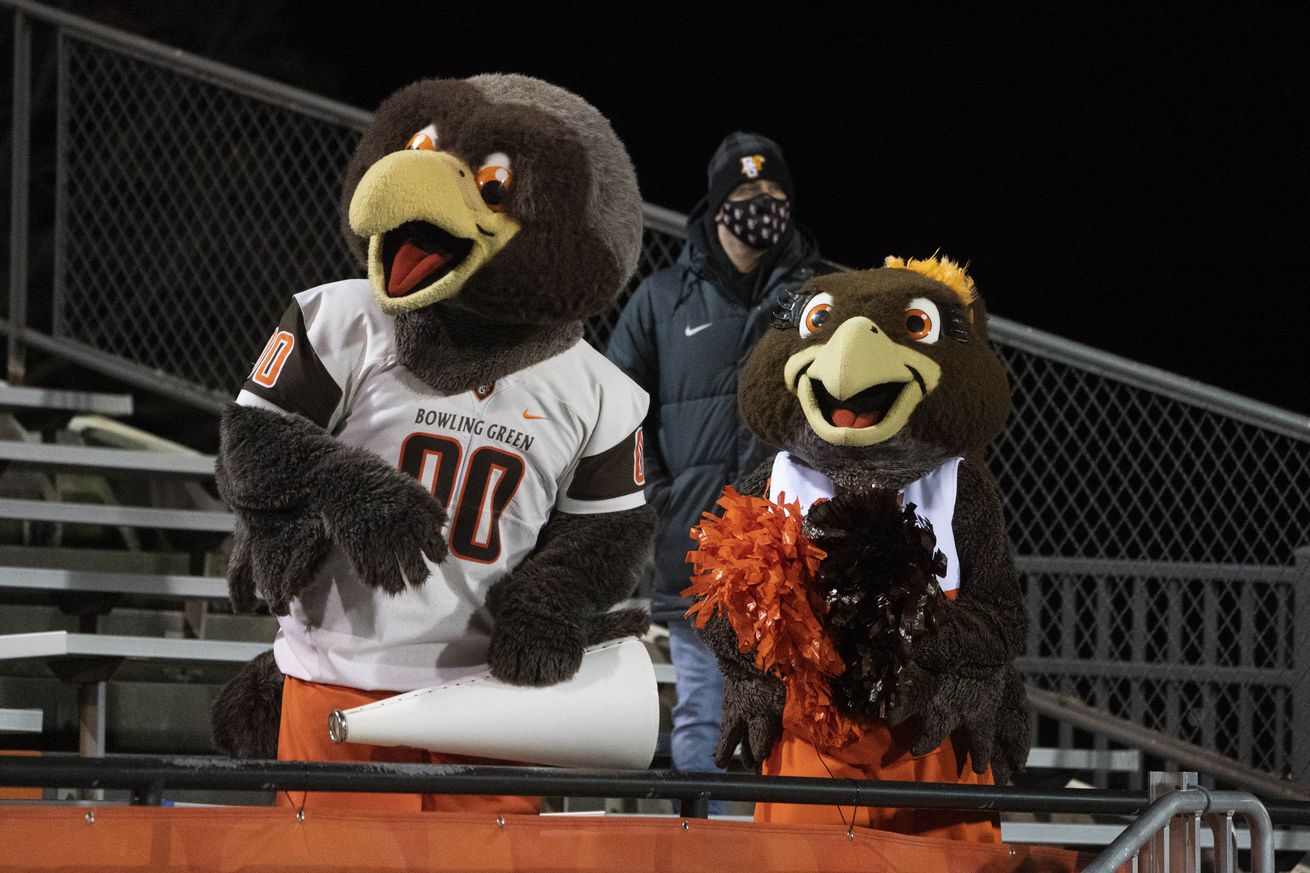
(692, 331)
(530, 417)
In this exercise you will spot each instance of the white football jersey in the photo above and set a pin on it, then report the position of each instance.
(561, 434)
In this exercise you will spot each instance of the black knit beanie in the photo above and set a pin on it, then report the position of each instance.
(745, 157)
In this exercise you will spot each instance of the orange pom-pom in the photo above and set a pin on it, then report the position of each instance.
(756, 565)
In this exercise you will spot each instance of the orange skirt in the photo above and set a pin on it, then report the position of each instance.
(883, 754)
(303, 736)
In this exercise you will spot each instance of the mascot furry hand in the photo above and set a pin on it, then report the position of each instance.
(860, 590)
(430, 468)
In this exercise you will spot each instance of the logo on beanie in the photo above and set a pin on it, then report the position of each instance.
(752, 166)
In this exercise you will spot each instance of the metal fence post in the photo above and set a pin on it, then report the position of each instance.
(1225, 841)
(1177, 847)
(1300, 765)
(18, 205)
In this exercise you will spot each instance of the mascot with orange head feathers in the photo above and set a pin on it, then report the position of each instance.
(859, 589)
(430, 469)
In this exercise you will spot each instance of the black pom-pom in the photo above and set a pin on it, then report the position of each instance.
(880, 582)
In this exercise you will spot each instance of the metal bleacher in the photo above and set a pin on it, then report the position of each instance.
(48, 401)
(72, 569)
(90, 660)
(20, 721)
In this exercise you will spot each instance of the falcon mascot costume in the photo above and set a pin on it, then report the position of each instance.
(859, 589)
(430, 469)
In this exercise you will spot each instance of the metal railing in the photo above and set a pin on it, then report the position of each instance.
(1163, 827)
(146, 778)
(1157, 520)
(1219, 808)
(1166, 836)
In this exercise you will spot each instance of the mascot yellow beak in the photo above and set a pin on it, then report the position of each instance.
(860, 387)
(428, 228)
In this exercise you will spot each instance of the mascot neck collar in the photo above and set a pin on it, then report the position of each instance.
(933, 496)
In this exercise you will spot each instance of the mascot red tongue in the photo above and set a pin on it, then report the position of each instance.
(845, 418)
(397, 509)
(411, 266)
(859, 588)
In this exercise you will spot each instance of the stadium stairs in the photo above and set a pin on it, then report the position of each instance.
(115, 632)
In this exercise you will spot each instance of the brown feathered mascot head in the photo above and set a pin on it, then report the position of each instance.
(878, 376)
(493, 214)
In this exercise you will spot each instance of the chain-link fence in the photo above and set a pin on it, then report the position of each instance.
(1158, 542)
(1156, 536)
(188, 214)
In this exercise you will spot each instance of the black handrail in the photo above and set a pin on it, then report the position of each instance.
(147, 777)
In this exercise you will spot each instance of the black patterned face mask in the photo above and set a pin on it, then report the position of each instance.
(758, 222)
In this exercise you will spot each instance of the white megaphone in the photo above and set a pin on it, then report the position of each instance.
(606, 716)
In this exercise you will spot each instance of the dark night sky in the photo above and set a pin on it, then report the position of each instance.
(1131, 178)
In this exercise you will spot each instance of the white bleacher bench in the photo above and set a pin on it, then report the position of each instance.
(117, 516)
(57, 644)
(20, 721)
(87, 459)
(1113, 760)
(145, 584)
(18, 398)
(107, 652)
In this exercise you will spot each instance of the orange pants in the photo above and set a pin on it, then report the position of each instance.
(303, 736)
(884, 754)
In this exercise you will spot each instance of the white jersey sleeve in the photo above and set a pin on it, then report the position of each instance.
(317, 355)
(609, 475)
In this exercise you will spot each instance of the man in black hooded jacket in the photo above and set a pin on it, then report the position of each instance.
(683, 337)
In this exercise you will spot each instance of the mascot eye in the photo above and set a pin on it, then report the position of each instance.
(815, 315)
(425, 140)
(922, 321)
(494, 180)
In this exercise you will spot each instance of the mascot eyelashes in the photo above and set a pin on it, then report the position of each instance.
(430, 469)
(860, 590)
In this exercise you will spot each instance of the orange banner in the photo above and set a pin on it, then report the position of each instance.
(273, 839)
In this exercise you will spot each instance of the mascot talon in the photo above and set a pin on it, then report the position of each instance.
(866, 570)
(536, 652)
(387, 533)
(752, 717)
(544, 651)
(271, 554)
(1012, 729)
(410, 446)
(917, 688)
